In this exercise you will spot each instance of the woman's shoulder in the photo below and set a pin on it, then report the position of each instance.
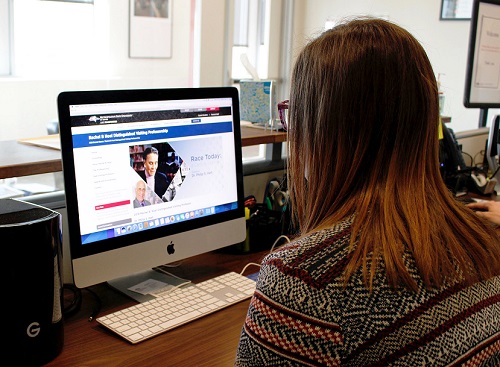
(316, 254)
(329, 238)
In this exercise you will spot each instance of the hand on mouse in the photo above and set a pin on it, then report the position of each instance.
(489, 210)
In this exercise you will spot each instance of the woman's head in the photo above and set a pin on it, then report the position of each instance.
(363, 117)
(363, 142)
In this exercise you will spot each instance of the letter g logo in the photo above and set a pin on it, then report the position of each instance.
(33, 329)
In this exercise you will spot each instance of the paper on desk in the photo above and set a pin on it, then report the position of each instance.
(47, 141)
(149, 286)
(7, 191)
(34, 188)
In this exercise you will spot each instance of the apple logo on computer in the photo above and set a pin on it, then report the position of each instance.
(170, 248)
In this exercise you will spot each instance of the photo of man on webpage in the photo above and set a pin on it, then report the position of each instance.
(158, 165)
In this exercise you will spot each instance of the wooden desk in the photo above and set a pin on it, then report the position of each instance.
(209, 341)
(254, 136)
(20, 159)
(24, 160)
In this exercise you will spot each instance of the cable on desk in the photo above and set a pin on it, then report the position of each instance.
(161, 270)
(174, 265)
(272, 249)
(277, 239)
(472, 162)
(481, 154)
(75, 302)
(496, 171)
(161, 293)
(97, 306)
(247, 265)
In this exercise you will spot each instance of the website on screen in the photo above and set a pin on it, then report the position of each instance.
(141, 165)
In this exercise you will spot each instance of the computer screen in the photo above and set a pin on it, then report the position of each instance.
(482, 82)
(151, 176)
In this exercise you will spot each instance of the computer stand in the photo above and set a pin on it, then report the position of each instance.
(149, 278)
(483, 117)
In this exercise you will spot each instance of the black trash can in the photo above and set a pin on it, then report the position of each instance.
(31, 272)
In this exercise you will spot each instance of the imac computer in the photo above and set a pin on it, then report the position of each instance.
(482, 79)
(123, 222)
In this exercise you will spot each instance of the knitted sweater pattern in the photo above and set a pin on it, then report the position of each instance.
(301, 314)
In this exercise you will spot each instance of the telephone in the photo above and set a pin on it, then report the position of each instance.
(483, 185)
(454, 171)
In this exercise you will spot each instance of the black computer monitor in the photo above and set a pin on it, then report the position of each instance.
(104, 135)
(493, 148)
(482, 80)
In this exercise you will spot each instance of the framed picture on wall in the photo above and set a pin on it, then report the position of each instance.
(150, 32)
(456, 9)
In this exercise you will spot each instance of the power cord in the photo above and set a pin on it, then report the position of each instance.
(162, 270)
(495, 173)
(279, 238)
(173, 265)
(270, 251)
(97, 306)
(247, 265)
(481, 155)
(163, 292)
(75, 302)
(471, 158)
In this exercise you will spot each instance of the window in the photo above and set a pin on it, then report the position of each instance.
(53, 39)
(262, 31)
(56, 40)
(250, 23)
(4, 38)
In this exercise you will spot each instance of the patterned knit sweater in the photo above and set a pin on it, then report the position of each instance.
(300, 315)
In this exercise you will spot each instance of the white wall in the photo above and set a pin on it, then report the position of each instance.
(446, 42)
(211, 28)
(26, 106)
(473, 144)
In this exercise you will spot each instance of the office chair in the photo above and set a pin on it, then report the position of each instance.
(53, 127)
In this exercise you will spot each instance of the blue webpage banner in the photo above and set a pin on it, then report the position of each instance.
(137, 135)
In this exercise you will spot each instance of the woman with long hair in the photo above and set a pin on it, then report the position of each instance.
(388, 268)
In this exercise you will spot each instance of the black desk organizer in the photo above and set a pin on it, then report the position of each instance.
(268, 220)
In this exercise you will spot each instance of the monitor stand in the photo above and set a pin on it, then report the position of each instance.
(149, 280)
(483, 117)
(497, 186)
(495, 168)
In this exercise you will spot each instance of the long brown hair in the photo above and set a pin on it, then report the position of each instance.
(363, 142)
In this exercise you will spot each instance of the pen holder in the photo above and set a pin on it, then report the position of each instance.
(264, 226)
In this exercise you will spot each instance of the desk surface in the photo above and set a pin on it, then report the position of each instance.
(209, 341)
(25, 160)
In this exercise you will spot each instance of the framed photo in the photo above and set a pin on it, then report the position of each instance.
(150, 33)
(456, 9)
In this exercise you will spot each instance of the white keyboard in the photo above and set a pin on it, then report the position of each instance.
(179, 306)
